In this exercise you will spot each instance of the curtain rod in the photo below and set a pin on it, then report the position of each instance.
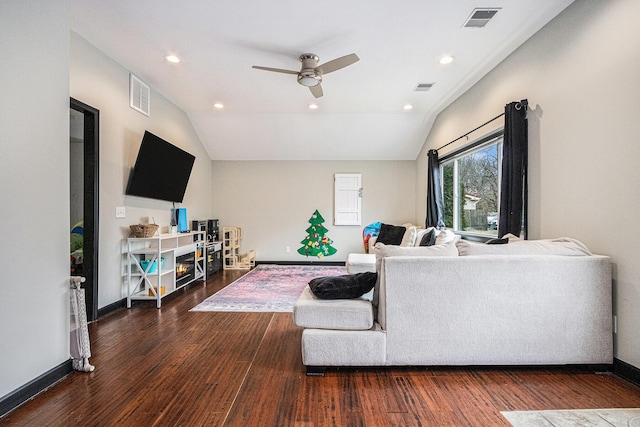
(523, 103)
(471, 131)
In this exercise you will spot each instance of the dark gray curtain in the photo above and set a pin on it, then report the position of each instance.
(435, 212)
(514, 170)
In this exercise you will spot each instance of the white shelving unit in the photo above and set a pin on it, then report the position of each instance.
(153, 267)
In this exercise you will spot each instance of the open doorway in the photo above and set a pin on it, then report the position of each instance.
(83, 220)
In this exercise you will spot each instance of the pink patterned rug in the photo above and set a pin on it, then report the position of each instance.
(267, 288)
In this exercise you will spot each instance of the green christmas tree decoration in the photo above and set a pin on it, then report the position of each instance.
(316, 243)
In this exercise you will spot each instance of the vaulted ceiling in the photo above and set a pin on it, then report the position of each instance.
(266, 115)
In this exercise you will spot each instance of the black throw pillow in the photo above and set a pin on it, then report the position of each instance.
(502, 241)
(391, 234)
(343, 287)
(429, 238)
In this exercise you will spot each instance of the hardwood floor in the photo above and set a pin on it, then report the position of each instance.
(170, 367)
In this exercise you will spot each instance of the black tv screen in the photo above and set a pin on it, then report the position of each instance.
(161, 171)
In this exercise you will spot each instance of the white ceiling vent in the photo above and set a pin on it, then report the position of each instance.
(480, 17)
(423, 87)
(139, 95)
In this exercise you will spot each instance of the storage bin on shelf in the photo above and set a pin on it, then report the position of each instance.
(154, 265)
(143, 230)
(153, 292)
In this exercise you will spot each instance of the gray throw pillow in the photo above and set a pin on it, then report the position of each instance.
(497, 241)
(428, 238)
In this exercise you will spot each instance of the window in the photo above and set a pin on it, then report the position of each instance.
(471, 186)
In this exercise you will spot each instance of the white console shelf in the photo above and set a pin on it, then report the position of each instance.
(156, 265)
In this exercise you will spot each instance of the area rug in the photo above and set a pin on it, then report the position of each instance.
(569, 418)
(267, 288)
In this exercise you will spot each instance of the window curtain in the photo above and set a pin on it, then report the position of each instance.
(514, 170)
(435, 211)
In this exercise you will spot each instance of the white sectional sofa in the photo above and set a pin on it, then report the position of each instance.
(537, 303)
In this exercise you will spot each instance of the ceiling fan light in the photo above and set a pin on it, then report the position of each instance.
(308, 81)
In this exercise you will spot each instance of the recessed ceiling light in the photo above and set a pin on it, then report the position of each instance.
(446, 59)
(408, 107)
(218, 105)
(313, 106)
(172, 58)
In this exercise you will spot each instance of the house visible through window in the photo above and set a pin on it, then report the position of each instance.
(471, 186)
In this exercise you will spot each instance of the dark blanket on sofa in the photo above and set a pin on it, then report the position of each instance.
(343, 287)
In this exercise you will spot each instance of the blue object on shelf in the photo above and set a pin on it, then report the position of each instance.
(154, 265)
(180, 218)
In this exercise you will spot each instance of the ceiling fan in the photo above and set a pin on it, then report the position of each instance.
(310, 75)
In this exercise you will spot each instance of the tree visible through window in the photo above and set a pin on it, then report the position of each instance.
(471, 188)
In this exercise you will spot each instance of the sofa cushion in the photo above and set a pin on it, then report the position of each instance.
(382, 251)
(391, 234)
(344, 314)
(343, 287)
(561, 246)
(322, 347)
(360, 263)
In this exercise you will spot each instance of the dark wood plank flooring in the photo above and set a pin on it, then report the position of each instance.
(170, 367)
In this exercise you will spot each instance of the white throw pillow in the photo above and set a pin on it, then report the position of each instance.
(409, 236)
(445, 236)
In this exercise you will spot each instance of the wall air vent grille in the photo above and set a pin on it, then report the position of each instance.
(139, 95)
(423, 87)
(480, 17)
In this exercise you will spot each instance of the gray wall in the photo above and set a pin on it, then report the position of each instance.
(99, 81)
(272, 202)
(580, 76)
(34, 189)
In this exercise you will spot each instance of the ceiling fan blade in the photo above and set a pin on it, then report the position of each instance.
(316, 90)
(337, 63)
(277, 70)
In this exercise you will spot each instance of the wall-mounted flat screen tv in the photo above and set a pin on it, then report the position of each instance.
(161, 171)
